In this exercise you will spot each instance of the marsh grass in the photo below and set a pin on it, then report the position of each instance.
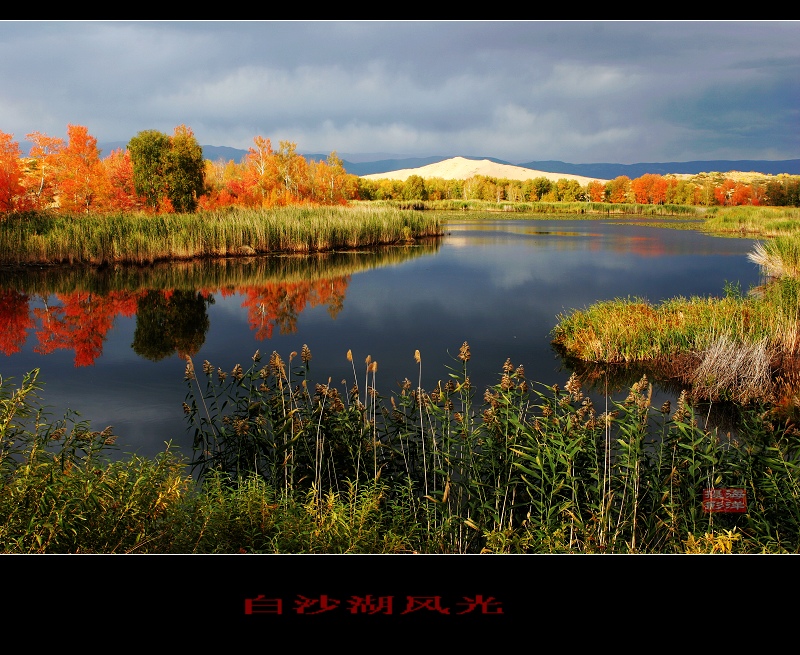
(526, 468)
(60, 494)
(530, 468)
(47, 239)
(752, 221)
(599, 209)
(726, 348)
(778, 257)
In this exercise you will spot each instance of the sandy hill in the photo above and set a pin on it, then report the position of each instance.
(459, 168)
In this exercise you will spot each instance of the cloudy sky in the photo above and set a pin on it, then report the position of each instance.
(579, 92)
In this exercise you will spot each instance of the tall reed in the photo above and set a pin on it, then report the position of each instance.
(145, 238)
(529, 469)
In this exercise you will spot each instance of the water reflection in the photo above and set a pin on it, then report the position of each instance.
(74, 309)
(109, 342)
(170, 322)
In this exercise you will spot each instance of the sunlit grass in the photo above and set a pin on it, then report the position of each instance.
(726, 347)
(590, 209)
(750, 221)
(145, 238)
(516, 468)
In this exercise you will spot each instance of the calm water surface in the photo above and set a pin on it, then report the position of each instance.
(108, 344)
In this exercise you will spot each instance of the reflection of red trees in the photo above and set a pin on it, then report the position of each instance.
(81, 321)
(15, 319)
(279, 304)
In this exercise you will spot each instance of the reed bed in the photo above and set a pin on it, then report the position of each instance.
(555, 208)
(778, 257)
(752, 221)
(289, 465)
(735, 347)
(210, 273)
(145, 238)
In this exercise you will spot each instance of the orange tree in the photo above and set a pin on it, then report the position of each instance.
(11, 188)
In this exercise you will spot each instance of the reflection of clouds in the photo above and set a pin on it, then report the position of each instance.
(603, 254)
(501, 292)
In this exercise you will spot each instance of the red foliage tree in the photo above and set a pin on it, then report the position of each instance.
(649, 189)
(80, 178)
(11, 189)
(618, 189)
(119, 191)
(596, 191)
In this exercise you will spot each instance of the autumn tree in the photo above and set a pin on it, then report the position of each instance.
(617, 189)
(329, 182)
(260, 175)
(40, 170)
(649, 189)
(119, 192)
(11, 188)
(724, 191)
(291, 169)
(596, 191)
(742, 194)
(79, 173)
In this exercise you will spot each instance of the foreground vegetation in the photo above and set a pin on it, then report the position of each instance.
(284, 465)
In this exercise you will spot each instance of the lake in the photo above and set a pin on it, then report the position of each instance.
(110, 343)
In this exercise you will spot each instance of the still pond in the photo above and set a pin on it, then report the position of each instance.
(111, 344)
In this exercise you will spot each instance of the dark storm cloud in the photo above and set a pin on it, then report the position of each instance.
(576, 91)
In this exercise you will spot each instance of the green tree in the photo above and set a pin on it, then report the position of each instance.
(184, 170)
(414, 188)
(168, 168)
(148, 156)
(569, 190)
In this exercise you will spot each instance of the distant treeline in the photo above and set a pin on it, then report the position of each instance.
(159, 173)
(706, 189)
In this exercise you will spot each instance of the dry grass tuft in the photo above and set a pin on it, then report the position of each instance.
(735, 371)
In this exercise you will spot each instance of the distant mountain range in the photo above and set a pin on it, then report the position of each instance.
(601, 171)
(369, 164)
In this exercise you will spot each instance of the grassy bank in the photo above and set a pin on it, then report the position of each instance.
(46, 239)
(287, 465)
(752, 222)
(49, 239)
(739, 347)
(597, 209)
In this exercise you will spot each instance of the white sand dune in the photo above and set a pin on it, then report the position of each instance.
(459, 168)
